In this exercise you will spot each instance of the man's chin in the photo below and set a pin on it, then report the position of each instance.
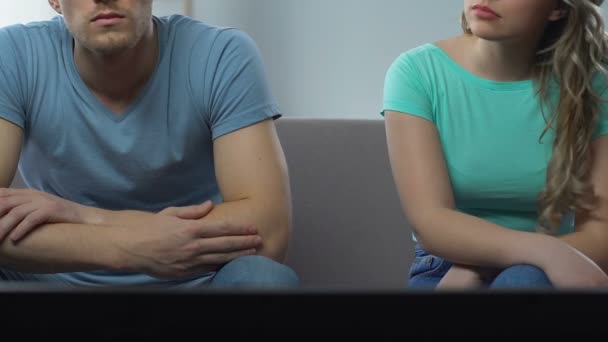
(110, 45)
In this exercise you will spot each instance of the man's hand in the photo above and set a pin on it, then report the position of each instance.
(174, 243)
(166, 246)
(22, 210)
(193, 212)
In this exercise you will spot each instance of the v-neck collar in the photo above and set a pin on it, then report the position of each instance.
(88, 95)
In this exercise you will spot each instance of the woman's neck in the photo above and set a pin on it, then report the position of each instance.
(497, 61)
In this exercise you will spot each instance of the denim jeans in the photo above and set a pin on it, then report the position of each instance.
(427, 271)
(254, 272)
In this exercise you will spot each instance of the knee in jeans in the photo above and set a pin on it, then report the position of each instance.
(528, 271)
(522, 276)
(256, 271)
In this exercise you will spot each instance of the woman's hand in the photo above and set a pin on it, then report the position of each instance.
(461, 277)
(568, 268)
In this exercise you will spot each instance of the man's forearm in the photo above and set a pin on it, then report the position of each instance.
(272, 221)
(58, 248)
(122, 218)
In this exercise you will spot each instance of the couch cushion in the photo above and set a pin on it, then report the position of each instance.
(349, 229)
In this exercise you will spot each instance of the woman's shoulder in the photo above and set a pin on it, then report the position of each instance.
(419, 52)
(429, 52)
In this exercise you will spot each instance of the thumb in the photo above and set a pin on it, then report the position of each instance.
(193, 212)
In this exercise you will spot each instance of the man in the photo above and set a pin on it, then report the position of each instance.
(151, 147)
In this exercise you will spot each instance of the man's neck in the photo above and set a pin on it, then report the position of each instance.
(117, 79)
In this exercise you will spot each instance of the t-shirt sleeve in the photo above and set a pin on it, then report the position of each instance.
(601, 88)
(237, 89)
(405, 90)
(11, 99)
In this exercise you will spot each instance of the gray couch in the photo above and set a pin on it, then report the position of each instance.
(349, 231)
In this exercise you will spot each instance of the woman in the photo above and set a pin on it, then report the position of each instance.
(498, 140)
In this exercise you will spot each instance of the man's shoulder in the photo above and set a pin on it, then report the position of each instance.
(202, 34)
(53, 26)
(31, 34)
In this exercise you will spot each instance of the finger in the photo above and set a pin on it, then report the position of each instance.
(168, 211)
(6, 192)
(29, 223)
(227, 244)
(9, 203)
(212, 228)
(194, 212)
(223, 258)
(9, 221)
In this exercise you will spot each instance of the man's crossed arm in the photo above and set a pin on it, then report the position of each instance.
(42, 233)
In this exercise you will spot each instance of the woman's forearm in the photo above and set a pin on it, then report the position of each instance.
(468, 240)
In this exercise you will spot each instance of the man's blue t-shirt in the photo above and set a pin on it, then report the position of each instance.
(209, 81)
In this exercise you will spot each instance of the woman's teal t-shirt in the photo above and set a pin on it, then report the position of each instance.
(490, 133)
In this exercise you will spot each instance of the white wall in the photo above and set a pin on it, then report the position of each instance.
(24, 11)
(167, 7)
(328, 58)
(325, 58)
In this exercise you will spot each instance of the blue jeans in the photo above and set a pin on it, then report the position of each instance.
(427, 271)
(253, 272)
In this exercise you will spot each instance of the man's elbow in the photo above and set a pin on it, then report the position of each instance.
(276, 244)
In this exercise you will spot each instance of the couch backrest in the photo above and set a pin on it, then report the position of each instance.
(349, 229)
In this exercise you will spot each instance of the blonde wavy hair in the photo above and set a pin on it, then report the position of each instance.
(572, 52)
